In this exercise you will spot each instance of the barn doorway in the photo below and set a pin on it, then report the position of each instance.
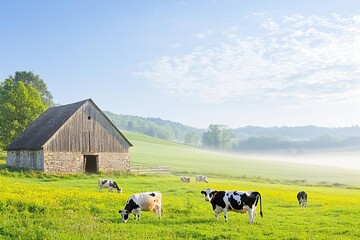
(91, 163)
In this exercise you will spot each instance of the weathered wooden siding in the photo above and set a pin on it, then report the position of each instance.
(88, 130)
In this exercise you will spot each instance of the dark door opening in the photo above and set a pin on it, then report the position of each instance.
(91, 163)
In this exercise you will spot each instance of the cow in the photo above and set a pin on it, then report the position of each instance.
(148, 201)
(238, 201)
(109, 184)
(302, 198)
(185, 179)
(200, 178)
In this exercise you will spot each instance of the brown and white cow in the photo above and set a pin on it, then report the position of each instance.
(302, 198)
(185, 179)
(201, 178)
(238, 201)
(109, 184)
(148, 201)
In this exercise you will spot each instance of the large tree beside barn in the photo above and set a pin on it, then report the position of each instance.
(30, 78)
(20, 104)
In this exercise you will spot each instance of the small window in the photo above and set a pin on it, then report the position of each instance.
(89, 117)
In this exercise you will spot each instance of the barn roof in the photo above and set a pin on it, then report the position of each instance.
(46, 125)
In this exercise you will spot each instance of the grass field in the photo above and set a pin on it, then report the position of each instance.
(190, 160)
(40, 206)
(69, 207)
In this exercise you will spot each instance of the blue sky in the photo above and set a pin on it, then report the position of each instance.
(237, 63)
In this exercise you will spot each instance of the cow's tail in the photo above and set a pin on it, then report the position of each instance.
(258, 197)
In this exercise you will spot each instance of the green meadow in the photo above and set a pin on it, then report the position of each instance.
(35, 205)
(184, 159)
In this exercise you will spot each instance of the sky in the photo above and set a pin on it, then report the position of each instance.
(231, 62)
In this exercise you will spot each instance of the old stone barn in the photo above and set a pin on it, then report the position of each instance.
(73, 138)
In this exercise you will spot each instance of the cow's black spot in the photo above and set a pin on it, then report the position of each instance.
(104, 181)
(152, 194)
(236, 193)
(131, 205)
(249, 200)
(218, 200)
(234, 203)
(114, 185)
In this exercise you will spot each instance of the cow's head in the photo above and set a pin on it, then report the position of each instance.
(124, 215)
(119, 190)
(209, 193)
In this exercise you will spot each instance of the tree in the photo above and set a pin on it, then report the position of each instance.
(20, 104)
(192, 139)
(30, 78)
(218, 136)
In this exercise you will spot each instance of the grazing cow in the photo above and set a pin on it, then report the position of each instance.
(148, 201)
(109, 184)
(224, 201)
(185, 179)
(302, 198)
(200, 178)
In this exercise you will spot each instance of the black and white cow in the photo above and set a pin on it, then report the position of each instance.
(148, 201)
(302, 198)
(238, 201)
(201, 178)
(185, 179)
(109, 184)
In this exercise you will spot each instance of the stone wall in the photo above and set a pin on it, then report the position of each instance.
(63, 162)
(110, 162)
(30, 159)
(66, 162)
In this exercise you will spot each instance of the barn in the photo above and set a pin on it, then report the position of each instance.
(73, 138)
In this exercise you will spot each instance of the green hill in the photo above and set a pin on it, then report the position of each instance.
(249, 138)
(184, 159)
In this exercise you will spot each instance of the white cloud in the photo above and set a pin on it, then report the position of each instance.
(305, 60)
(270, 25)
(203, 35)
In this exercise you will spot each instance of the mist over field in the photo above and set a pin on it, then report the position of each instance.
(337, 159)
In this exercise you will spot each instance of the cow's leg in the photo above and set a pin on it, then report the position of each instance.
(137, 212)
(226, 215)
(217, 210)
(156, 211)
(252, 213)
(159, 211)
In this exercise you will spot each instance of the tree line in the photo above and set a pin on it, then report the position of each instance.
(250, 138)
(24, 96)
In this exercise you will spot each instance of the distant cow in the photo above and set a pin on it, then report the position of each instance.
(238, 201)
(302, 198)
(200, 178)
(109, 184)
(185, 179)
(148, 201)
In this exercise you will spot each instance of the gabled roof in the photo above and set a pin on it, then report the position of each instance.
(46, 125)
